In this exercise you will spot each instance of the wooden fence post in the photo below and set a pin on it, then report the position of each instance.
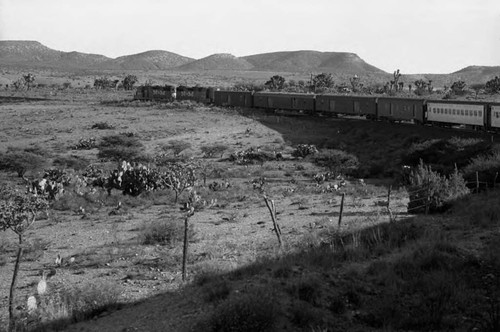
(185, 249)
(341, 209)
(428, 197)
(272, 211)
(477, 182)
(389, 204)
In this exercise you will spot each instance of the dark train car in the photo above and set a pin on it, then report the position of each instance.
(233, 98)
(284, 101)
(198, 94)
(349, 105)
(401, 109)
(155, 92)
(455, 112)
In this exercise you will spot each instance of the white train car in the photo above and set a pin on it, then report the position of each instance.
(495, 117)
(457, 113)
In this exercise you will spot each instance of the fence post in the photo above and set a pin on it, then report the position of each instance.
(272, 211)
(341, 209)
(389, 204)
(185, 249)
(427, 198)
(477, 182)
(495, 180)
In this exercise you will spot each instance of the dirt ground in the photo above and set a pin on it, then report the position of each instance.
(106, 248)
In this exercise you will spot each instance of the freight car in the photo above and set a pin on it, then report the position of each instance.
(284, 101)
(156, 92)
(198, 94)
(233, 98)
(349, 105)
(401, 109)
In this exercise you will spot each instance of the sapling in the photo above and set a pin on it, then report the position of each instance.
(18, 212)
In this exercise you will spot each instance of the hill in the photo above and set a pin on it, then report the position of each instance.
(311, 61)
(34, 54)
(151, 60)
(221, 61)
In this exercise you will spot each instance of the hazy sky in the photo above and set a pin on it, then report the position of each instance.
(416, 36)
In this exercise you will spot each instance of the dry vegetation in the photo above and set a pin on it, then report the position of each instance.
(122, 254)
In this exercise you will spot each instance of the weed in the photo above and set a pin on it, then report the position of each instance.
(303, 315)
(250, 312)
(168, 232)
(216, 291)
(307, 289)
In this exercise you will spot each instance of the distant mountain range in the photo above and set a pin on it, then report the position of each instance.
(33, 54)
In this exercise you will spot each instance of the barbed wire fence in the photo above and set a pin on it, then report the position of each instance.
(421, 196)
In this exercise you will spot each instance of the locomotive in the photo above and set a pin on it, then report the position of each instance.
(446, 113)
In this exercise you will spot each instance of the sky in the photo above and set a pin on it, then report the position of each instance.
(415, 36)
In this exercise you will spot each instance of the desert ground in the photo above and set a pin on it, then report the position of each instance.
(103, 238)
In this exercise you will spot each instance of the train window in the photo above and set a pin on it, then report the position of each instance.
(475, 113)
(480, 113)
(466, 112)
(461, 112)
(454, 111)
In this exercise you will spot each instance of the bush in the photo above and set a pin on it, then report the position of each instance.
(487, 166)
(337, 161)
(444, 155)
(434, 191)
(211, 151)
(21, 161)
(250, 156)
(121, 147)
(165, 232)
(74, 162)
(102, 125)
(304, 150)
(243, 312)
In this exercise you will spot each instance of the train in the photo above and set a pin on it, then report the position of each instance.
(478, 115)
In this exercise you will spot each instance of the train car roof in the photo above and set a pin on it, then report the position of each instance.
(294, 94)
(462, 102)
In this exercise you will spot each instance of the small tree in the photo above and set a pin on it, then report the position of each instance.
(322, 82)
(28, 80)
(356, 85)
(21, 161)
(493, 85)
(129, 81)
(458, 88)
(18, 212)
(276, 82)
(477, 88)
(179, 177)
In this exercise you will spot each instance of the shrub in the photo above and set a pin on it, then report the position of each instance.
(121, 147)
(487, 166)
(21, 161)
(250, 156)
(216, 291)
(337, 161)
(429, 189)
(74, 162)
(64, 306)
(243, 312)
(210, 151)
(304, 150)
(102, 125)
(85, 144)
(176, 146)
(165, 232)
(444, 155)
